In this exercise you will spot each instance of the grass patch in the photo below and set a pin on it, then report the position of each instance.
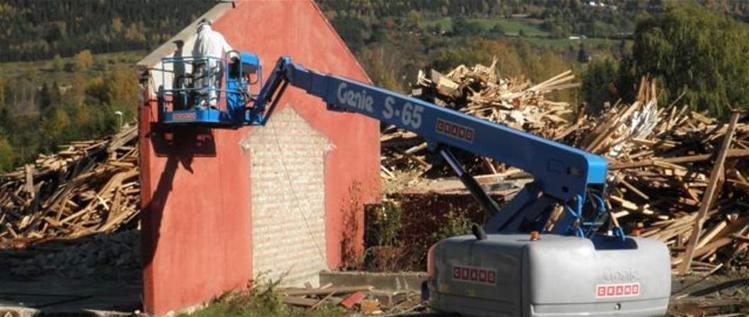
(565, 43)
(515, 26)
(528, 27)
(512, 27)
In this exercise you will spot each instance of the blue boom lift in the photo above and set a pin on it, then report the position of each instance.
(575, 268)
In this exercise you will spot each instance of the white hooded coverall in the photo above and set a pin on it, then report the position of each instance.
(211, 44)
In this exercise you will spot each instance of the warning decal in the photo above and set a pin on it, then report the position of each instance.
(474, 275)
(617, 290)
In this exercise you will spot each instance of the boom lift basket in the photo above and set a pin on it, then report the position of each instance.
(187, 84)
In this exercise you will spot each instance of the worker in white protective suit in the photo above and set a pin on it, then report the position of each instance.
(209, 49)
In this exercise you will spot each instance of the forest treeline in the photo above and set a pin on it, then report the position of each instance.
(41, 29)
(561, 18)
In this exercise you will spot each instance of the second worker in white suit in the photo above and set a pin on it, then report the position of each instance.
(207, 73)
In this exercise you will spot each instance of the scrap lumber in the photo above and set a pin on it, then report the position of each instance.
(481, 92)
(88, 187)
(362, 298)
(710, 194)
(662, 160)
(323, 291)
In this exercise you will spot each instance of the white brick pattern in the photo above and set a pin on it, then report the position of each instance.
(288, 199)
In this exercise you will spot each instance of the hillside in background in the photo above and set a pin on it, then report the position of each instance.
(67, 65)
(41, 29)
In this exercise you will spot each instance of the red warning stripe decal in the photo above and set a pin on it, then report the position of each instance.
(474, 275)
(454, 130)
(617, 290)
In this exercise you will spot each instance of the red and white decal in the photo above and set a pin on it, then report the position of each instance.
(617, 290)
(474, 275)
(185, 116)
(454, 130)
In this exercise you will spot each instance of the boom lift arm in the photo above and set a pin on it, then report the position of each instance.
(562, 174)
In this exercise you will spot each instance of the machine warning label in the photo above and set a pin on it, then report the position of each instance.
(617, 290)
(188, 116)
(454, 130)
(474, 275)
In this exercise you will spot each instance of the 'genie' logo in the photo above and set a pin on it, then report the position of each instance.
(357, 100)
(622, 275)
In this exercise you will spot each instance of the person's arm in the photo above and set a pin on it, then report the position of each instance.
(225, 47)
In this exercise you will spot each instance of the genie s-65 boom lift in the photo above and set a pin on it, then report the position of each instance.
(521, 263)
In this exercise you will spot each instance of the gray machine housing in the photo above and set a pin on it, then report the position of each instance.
(511, 275)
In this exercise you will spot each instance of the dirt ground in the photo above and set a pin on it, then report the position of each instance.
(103, 274)
(724, 294)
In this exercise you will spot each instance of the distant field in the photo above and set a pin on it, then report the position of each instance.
(565, 43)
(510, 26)
(45, 71)
(530, 30)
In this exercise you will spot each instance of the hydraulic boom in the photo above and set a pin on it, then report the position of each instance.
(562, 173)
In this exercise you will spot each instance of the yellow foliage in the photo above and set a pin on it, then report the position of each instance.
(83, 61)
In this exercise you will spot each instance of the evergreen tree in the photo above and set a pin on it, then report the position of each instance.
(6, 154)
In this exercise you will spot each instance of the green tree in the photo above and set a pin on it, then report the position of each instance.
(380, 68)
(121, 91)
(58, 64)
(45, 97)
(465, 27)
(598, 80)
(353, 30)
(413, 19)
(497, 30)
(6, 155)
(694, 52)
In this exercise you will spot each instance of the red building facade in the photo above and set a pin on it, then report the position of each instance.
(222, 206)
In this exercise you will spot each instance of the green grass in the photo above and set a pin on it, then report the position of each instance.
(530, 29)
(443, 23)
(514, 26)
(565, 43)
(510, 26)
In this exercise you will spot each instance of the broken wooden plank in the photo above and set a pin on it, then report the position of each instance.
(710, 195)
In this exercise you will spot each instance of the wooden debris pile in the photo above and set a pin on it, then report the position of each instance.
(88, 187)
(480, 92)
(675, 174)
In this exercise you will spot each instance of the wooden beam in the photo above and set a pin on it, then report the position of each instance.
(676, 160)
(711, 193)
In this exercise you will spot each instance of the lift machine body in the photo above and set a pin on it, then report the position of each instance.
(516, 264)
